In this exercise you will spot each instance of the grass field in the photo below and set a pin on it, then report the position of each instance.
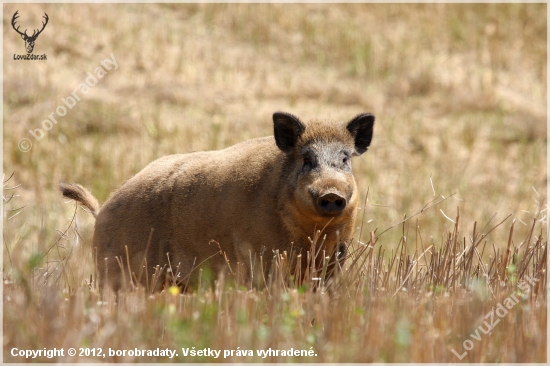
(456, 171)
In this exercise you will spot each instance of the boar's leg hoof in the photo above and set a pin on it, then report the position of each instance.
(331, 203)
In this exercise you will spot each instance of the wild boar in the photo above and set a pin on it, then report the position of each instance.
(250, 199)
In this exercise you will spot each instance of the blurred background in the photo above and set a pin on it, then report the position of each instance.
(458, 91)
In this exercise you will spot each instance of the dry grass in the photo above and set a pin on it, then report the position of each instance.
(459, 92)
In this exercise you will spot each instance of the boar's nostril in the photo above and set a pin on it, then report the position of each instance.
(331, 203)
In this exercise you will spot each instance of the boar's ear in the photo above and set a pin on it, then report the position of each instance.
(361, 129)
(287, 129)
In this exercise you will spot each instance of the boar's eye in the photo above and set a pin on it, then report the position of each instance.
(308, 162)
(346, 159)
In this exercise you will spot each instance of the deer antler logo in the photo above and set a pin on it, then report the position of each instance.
(29, 40)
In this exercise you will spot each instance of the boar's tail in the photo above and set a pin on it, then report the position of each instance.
(80, 194)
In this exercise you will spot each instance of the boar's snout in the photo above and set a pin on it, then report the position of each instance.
(331, 203)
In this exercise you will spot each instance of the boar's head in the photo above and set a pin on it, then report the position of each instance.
(317, 169)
